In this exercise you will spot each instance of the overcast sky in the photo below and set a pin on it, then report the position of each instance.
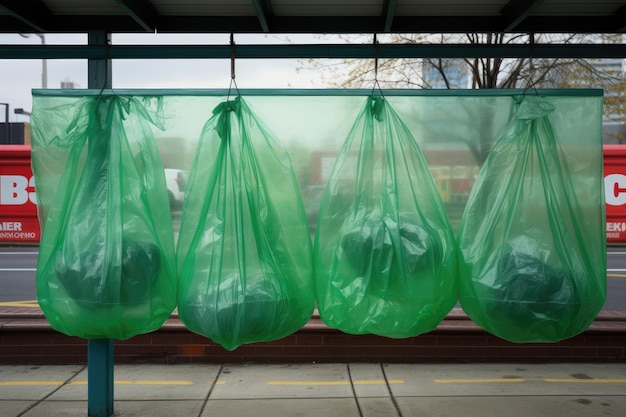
(19, 77)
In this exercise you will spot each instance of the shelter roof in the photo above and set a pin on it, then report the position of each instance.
(313, 16)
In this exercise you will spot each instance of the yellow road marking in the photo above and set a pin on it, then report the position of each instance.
(120, 382)
(355, 382)
(477, 380)
(322, 383)
(561, 380)
(588, 381)
(377, 381)
(616, 275)
(150, 382)
(24, 303)
(308, 383)
(140, 382)
(15, 383)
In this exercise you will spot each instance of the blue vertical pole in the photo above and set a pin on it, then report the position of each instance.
(99, 351)
(100, 377)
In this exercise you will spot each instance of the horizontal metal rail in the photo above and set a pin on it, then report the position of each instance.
(300, 51)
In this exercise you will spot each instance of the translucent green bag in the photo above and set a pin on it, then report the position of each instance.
(244, 248)
(533, 249)
(385, 252)
(106, 266)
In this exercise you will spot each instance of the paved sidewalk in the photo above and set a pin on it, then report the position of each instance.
(324, 390)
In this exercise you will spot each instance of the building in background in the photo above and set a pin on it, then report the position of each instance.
(68, 84)
(14, 133)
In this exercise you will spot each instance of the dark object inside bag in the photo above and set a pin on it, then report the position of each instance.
(526, 289)
(372, 250)
(86, 282)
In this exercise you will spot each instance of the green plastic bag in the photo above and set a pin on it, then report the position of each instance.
(385, 251)
(532, 245)
(106, 266)
(244, 249)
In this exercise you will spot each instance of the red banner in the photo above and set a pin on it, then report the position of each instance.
(18, 203)
(615, 191)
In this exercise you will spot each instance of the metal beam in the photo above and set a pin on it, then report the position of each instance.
(33, 13)
(566, 24)
(99, 67)
(100, 378)
(516, 11)
(295, 51)
(619, 17)
(100, 352)
(142, 11)
(389, 10)
(264, 12)
(321, 24)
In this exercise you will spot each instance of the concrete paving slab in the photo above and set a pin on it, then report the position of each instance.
(156, 382)
(369, 380)
(164, 408)
(148, 382)
(378, 407)
(302, 407)
(507, 379)
(544, 406)
(310, 390)
(57, 408)
(19, 382)
(420, 380)
(284, 381)
(14, 408)
(158, 408)
(74, 390)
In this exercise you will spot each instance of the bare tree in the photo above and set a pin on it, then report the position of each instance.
(479, 73)
(496, 72)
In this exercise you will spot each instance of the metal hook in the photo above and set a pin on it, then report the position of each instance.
(375, 58)
(232, 56)
(376, 54)
(531, 46)
(107, 66)
(232, 67)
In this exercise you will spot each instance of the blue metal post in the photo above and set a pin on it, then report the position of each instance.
(100, 377)
(99, 351)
